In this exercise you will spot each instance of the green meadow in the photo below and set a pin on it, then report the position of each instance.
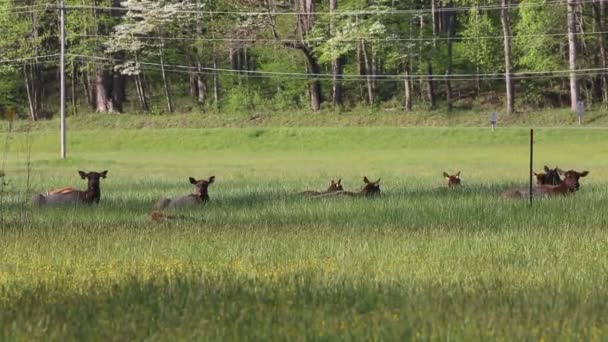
(260, 262)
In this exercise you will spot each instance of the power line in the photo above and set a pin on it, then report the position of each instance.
(352, 12)
(18, 12)
(28, 8)
(363, 77)
(471, 77)
(270, 40)
(25, 59)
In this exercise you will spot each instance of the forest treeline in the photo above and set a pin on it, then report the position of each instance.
(144, 55)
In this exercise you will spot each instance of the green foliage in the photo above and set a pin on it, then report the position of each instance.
(212, 34)
(536, 51)
(10, 89)
(476, 47)
(243, 98)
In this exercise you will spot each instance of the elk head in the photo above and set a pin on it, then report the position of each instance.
(202, 187)
(571, 178)
(93, 178)
(453, 180)
(371, 188)
(335, 186)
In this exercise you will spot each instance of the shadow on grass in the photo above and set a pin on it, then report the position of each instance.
(304, 304)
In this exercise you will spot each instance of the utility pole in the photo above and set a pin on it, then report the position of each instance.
(62, 78)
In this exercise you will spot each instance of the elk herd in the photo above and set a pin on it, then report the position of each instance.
(548, 183)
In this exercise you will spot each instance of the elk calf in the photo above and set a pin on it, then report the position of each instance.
(453, 180)
(370, 189)
(333, 187)
(200, 195)
(70, 195)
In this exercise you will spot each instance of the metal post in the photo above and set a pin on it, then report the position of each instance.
(62, 78)
(531, 161)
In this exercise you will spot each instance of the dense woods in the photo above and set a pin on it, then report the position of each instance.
(236, 55)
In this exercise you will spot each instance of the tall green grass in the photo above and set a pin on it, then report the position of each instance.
(261, 262)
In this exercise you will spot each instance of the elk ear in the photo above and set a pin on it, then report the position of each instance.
(339, 181)
(193, 181)
(365, 180)
(458, 174)
(547, 169)
(211, 179)
(82, 174)
(584, 173)
(104, 174)
(378, 181)
(445, 175)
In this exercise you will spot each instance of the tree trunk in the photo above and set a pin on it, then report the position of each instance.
(336, 64)
(216, 94)
(30, 93)
(407, 88)
(116, 80)
(306, 12)
(201, 81)
(420, 57)
(118, 91)
(361, 70)
(430, 84)
(216, 90)
(201, 85)
(164, 76)
(141, 92)
(315, 85)
(141, 88)
(368, 72)
(574, 90)
(506, 30)
(451, 25)
(434, 22)
(477, 80)
(89, 84)
(598, 11)
(32, 75)
(192, 76)
(101, 95)
(138, 91)
(73, 88)
(85, 87)
(232, 56)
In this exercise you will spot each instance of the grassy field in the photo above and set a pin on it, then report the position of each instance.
(261, 262)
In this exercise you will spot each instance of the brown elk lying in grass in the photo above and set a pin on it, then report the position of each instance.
(201, 195)
(70, 195)
(370, 189)
(569, 185)
(333, 187)
(453, 180)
